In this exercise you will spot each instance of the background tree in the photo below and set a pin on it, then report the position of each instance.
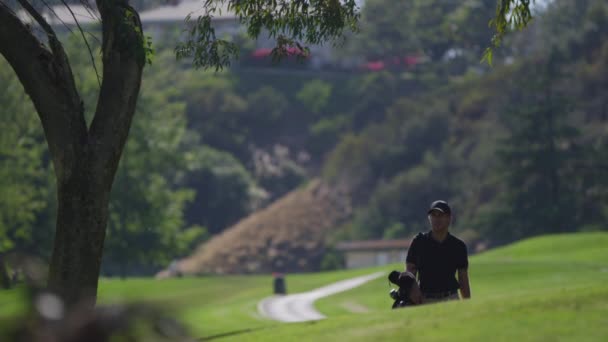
(224, 189)
(146, 225)
(24, 174)
(538, 159)
(513, 149)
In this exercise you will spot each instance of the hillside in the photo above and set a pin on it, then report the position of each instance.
(288, 235)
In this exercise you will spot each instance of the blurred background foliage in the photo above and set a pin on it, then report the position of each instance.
(518, 149)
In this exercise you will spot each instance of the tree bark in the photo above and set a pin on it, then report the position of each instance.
(82, 214)
(85, 160)
(5, 279)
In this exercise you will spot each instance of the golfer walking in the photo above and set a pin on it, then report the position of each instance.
(436, 257)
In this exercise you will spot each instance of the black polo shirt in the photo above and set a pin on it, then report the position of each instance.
(437, 262)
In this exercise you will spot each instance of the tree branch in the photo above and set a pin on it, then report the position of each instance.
(38, 17)
(61, 58)
(123, 62)
(47, 79)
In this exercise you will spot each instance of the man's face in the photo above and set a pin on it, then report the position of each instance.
(439, 221)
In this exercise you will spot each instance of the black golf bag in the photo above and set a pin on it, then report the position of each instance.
(401, 295)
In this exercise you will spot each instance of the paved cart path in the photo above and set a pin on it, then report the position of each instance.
(299, 307)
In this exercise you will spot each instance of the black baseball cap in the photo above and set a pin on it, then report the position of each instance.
(441, 206)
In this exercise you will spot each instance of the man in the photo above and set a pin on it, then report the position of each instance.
(436, 256)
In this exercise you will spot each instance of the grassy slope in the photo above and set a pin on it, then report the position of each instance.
(547, 288)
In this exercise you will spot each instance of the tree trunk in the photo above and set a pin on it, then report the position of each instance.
(82, 214)
(5, 279)
(85, 159)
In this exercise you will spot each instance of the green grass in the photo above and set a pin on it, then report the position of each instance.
(209, 306)
(552, 315)
(549, 288)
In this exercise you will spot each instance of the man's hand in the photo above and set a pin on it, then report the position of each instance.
(463, 280)
(415, 294)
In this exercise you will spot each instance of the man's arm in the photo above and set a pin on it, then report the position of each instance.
(411, 267)
(463, 279)
(415, 293)
(412, 257)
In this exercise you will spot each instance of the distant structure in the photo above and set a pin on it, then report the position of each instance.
(154, 20)
(368, 253)
(167, 22)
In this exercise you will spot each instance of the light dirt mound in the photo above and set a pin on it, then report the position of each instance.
(287, 236)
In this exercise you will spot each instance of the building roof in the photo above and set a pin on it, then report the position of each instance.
(179, 12)
(372, 245)
(61, 15)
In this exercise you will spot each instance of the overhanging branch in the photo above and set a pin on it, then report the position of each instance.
(47, 78)
(38, 17)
